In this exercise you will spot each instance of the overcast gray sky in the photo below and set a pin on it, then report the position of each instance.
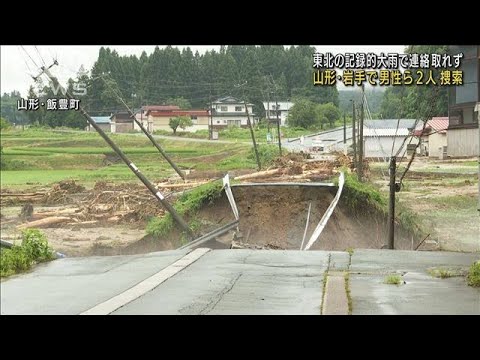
(16, 66)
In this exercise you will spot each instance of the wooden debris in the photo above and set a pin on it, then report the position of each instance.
(259, 174)
(44, 222)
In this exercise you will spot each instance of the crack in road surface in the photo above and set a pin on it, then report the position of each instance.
(219, 296)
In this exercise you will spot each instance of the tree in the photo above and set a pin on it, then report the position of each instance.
(327, 113)
(417, 101)
(4, 124)
(302, 114)
(180, 122)
(181, 102)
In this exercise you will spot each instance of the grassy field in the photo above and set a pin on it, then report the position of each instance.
(443, 197)
(240, 134)
(39, 157)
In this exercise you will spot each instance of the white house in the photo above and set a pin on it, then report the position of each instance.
(282, 108)
(228, 111)
(380, 136)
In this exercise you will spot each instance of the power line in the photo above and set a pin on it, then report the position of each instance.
(26, 63)
(433, 104)
(29, 56)
(41, 58)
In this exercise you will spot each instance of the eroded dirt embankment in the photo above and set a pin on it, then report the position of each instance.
(277, 216)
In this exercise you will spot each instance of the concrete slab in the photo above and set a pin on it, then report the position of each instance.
(421, 293)
(240, 282)
(364, 260)
(73, 285)
(339, 261)
(335, 300)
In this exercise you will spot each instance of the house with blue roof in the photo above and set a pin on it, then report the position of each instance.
(103, 121)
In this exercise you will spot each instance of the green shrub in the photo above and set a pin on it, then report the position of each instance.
(34, 249)
(186, 205)
(14, 260)
(473, 276)
(361, 194)
(36, 245)
(267, 154)
(393, 279)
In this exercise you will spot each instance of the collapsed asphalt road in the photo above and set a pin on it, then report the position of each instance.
(207, 281)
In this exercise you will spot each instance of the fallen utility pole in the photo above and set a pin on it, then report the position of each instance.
(179, 220)
(391, 203)
(253, 137)
(150, 137)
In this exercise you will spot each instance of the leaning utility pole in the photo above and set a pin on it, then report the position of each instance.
(120, 153)
(253, 137)
(391, 203)
(360, 125)
(150, 137)
(354, 140)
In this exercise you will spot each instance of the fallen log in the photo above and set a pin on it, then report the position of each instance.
(89, 222)
(21, 194)
(173, 186)
(44, 222)
(259, 174)
(46, 214)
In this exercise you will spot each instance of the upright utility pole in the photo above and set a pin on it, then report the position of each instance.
(344, 128)
(391, 203)
(278, 128)
(120, 153)
(268, 111)
(360, 149)
(354, 138)
(210, 127)
(150, 137)
(278, 120)
(477, 108)
(253, 137)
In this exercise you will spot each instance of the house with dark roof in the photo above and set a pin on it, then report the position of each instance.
(464, 105)
(229, 111)
(382, 135)
(122, 122)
